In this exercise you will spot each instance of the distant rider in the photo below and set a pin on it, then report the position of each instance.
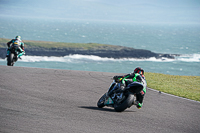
(16, 41)
(136, 76)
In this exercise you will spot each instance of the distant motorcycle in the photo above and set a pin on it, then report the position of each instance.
(13, 56)
(120, 100)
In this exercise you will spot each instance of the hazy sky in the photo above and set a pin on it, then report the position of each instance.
(170, 11)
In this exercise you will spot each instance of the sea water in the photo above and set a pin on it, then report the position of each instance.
(183, 39)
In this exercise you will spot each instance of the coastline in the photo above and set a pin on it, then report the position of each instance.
(42, 48)
(110, 53)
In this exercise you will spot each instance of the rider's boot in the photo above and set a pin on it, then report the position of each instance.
(22, 53)
(137, 104)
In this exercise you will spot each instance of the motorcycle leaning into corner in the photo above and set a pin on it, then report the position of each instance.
(120, 100)
(14, 54)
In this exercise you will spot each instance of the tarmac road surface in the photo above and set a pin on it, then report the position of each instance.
(35, 100)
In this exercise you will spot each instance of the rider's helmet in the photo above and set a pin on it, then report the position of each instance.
(18, 37)
(139, 70)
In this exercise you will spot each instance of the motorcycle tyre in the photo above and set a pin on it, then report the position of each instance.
(127, 103)
(10, 61)
(101, 104)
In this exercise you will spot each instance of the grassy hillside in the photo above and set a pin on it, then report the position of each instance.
(46, 44)
(183, 86)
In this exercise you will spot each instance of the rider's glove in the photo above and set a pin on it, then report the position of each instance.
(115, 78)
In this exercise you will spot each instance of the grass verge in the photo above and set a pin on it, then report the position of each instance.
(183, 86)
(46, 44)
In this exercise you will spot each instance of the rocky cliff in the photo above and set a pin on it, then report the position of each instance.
(123, 52)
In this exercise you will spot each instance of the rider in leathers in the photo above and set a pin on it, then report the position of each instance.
(136, 76)
(16, 41)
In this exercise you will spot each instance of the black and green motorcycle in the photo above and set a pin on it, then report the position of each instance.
(120, 100)
(14, 55)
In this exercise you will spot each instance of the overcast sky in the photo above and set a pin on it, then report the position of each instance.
(170, 11)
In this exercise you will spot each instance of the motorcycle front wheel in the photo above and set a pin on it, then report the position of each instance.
(10, 61)
(101, 101)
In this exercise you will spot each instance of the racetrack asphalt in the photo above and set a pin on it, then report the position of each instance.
(36, 100)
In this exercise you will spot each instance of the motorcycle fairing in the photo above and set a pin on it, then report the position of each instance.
(108, 101)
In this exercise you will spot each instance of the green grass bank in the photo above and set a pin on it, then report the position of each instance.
(47, 44)
(183, 86)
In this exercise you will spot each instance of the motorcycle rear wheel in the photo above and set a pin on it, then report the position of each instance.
(101, 101)
(127, 103)
(10, 61)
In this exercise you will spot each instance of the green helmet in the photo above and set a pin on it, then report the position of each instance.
(18, 37)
